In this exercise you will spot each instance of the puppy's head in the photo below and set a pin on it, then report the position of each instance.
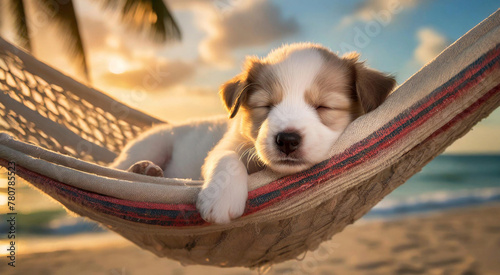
(295, 102)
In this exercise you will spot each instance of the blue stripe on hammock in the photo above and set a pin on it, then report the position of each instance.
(255, 202)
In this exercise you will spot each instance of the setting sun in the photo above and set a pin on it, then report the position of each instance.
(118, 65)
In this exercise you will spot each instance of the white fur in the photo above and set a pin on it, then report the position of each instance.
(224, 194)
(181, 150)
(296, 73)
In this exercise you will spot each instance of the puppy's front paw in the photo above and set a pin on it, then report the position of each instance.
(146, 167)
(223, 198)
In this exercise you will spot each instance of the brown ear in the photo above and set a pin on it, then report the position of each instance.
(233, 91)
(371, 86)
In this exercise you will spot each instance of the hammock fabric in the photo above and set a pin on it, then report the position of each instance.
(65, 133)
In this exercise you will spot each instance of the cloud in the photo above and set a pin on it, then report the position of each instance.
(174, 107)
(153, 77)
(377, 10)
(242, 24)
(430, 44)
(229, 25)
(118, 63)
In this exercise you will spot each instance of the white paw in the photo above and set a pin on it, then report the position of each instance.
(223, 198)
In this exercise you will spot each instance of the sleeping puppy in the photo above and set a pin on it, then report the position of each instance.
(286, 112)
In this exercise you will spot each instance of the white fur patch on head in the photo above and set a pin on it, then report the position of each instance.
(297, 69)
(299, 99)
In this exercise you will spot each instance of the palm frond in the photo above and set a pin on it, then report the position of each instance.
(65, 20)
(151, 16)
(18, 14)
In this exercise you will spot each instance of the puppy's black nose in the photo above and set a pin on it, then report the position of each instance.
(288, 142)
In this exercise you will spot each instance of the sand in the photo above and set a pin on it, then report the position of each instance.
(459, 241)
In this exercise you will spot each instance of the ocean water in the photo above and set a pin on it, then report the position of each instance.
(449, 181)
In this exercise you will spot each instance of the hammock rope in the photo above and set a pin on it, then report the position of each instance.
(96, 126)
(75, 130)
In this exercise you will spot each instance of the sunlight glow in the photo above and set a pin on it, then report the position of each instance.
(3, 199)
(4, 245)
(113, 41)
(3, 180)
(117, 65)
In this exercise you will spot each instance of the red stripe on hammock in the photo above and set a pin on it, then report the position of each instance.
(326, 177)
(51, 186)
(48, 184)
(285, 181)
(56, 186)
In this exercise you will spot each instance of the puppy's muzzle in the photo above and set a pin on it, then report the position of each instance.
(288, 142)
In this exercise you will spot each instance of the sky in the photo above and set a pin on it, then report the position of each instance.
(179, 81)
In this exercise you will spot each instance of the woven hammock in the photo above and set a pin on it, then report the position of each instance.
(61, 134)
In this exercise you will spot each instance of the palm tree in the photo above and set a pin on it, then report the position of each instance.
(151, 16)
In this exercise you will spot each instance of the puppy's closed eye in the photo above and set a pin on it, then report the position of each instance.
(324, 108)
(262, 108)
(260, 99)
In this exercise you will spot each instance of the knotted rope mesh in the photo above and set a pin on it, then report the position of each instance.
(61, 117)
(377, 153)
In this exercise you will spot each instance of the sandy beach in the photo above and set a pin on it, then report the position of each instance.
(458, 241)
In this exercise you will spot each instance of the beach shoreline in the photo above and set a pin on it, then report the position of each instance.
(456, 241)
